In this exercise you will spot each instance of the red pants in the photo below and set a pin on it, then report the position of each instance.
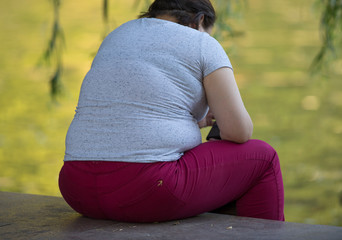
(207, 177)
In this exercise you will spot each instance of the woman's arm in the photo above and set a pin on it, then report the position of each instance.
(225, 103)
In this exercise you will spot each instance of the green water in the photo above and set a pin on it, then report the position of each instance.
(300, 115)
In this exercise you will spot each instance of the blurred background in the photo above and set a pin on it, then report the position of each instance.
(271, 45)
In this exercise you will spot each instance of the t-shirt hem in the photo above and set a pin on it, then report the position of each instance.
(145, 160)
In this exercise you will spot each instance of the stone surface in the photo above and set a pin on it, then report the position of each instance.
(24, 216)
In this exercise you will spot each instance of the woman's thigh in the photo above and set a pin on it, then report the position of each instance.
(216, 173)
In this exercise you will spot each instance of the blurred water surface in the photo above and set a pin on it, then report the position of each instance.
(297, 113)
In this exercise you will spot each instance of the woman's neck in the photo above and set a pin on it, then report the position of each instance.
(167, 17)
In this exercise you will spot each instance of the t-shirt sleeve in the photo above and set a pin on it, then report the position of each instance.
(213, 56)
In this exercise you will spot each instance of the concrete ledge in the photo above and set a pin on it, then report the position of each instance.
(24, 216)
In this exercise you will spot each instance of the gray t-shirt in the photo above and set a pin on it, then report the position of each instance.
(143, 96)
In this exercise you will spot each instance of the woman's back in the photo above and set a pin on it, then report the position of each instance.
(143, 96)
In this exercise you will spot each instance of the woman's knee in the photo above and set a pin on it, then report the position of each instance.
(264, 149)
(261, 144)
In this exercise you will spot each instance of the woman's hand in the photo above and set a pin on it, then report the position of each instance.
(207, 121)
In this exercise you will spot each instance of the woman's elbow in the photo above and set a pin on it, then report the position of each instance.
(241, 135)
(236, 139)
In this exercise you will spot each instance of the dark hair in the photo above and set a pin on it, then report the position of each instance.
(187, 12)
